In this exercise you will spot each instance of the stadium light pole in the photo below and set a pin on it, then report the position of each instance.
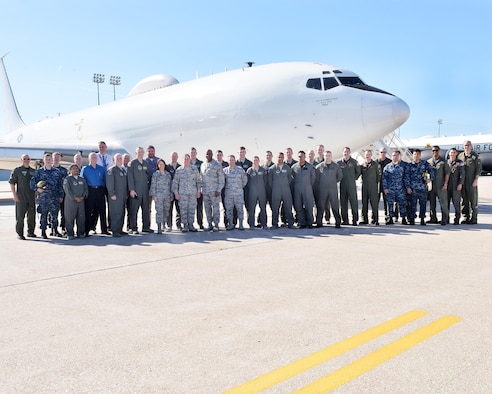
(439, 123)
(98, 78)
(115, 81)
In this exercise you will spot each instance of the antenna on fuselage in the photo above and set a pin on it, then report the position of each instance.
(250, 64)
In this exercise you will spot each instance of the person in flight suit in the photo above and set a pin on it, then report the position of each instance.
(117, 186)
(279, 179)
(383, 161)
(48, 182)
(348, 190)
(371, 176)
(257, 179)
(76, 191)
(235, 182)
(439, 186)
(394, 186)
(186, 188)
(304, 178)
(455, 183)
(24, 197)
(138, 184)
(328, 174)
(469, 193)
(420, 174)
(160, 190)
(212, 184)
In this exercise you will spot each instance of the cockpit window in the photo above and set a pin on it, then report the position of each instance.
(314, 83)
(351, 81)
(330, 83)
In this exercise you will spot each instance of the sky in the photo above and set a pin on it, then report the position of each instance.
(434, 54)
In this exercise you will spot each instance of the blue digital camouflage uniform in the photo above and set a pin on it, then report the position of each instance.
(394, 181)
(49, 199)
(416, 179)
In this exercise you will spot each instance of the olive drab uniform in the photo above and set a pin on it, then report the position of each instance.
(383, 164)
(348, 190)
(441, 169)
(49, 200)
(417, 173)
(257, 181)
(473, 169)
(213, 182)
(456, 178)
(304, 179)
(327, 178)
(187, 184)
(75, 211)
(280, 178)
(138, 180)
(394, 180)
(21, 176)
(235, 181)
(117, 185)
(371, 177)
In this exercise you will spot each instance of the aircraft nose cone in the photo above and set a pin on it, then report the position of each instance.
(401, 112)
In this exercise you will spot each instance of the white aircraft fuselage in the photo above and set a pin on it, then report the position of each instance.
(268, 107)
(481, 144)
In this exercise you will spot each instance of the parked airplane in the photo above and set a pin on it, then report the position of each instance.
(482, 144)
(263, 107)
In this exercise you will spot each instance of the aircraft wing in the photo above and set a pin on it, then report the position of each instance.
(10, 155)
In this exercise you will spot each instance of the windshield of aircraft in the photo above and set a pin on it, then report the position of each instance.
(315, 83)
(356, 82)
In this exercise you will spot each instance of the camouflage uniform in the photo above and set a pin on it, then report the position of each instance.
(441, 169)
(304, 178)
(348, 190)
(117, 185)
(371, 176)
(257, 180)
(75, 211)
(394, 180)
(199, 200)
(327, 177)
(174, 203)
(187, 184)
(418, 185)
(212, 182)
(456, 177)
(49, 200)
(160, 189)
(21, 176)
(235, 181)
(473, 168)
(280, 178)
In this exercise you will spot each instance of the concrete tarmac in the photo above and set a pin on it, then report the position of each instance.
(207, 312)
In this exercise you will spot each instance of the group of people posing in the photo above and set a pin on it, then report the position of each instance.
(299, 192)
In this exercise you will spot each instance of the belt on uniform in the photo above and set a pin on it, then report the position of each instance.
(96, 187)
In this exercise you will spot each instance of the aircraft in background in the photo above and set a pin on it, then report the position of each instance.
(268, 107)
(482, 144)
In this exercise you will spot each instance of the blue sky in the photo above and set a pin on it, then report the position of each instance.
(436, 55)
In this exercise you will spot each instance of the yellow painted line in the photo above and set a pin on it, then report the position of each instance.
(283, 373)
(372, 360)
